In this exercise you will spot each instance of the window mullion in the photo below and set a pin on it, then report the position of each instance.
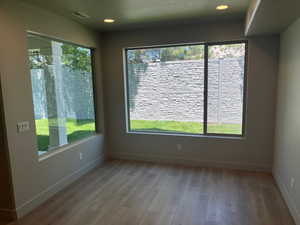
(205, 88)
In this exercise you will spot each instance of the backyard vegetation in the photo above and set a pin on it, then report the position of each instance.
(183, 127)
(76, 130)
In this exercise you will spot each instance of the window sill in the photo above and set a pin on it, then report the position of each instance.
(63, 148)
(214, 136)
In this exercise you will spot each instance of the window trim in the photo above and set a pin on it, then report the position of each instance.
(57, 149)
(205, 133)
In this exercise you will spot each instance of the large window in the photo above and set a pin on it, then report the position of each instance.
(62, 86)
(190, 89)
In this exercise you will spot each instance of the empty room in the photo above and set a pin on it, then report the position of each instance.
(146, 112)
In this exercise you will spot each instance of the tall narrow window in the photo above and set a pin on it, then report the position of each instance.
(189, 89)
(61, 77)
(225, 88)
(165, 89)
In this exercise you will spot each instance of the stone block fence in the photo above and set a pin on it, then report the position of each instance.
(77, 94)
(174, 90)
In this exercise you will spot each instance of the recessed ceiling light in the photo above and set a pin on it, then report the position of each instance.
(222, 7)
(108, 20)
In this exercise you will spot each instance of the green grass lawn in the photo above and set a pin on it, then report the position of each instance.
(76, 130)
(183, 127)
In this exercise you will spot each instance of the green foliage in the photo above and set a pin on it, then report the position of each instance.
(76, 58)
(191, 52)
(226, 51)
(194, 52)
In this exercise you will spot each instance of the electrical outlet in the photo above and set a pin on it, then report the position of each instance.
(179, 147)
(292, 182)
(23, 126)
(80, 155)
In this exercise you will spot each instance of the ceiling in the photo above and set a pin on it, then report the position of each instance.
(141, 13)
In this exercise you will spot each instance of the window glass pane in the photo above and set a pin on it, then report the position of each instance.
(165, 89)
(61, 77)
(225, 88)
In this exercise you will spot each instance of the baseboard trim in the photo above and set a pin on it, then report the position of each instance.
(55, 188)
(288, 198)
(188, 162)
(8, 215)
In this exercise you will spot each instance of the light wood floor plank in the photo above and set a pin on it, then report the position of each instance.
(134, 193)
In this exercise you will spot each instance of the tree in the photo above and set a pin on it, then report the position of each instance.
(76, 58)
(193, 52)
(78, 88)
(79, 95)
(226, 51)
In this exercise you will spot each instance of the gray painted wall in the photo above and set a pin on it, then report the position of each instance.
(255, 151)
(287, 151)
(34, 181)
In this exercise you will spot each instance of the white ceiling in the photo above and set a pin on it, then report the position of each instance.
(141, 13)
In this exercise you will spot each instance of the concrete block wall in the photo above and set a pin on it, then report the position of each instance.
(174, 90)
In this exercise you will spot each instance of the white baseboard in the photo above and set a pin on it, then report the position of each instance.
(288, 198)
(188, 161)
(55, 188)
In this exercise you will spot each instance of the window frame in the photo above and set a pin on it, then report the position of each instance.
(57, 149)
(205, 97)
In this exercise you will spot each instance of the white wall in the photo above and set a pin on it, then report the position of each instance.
(34, 180)
(287, 142)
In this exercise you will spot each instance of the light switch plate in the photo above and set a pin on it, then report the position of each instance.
(23, 126)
